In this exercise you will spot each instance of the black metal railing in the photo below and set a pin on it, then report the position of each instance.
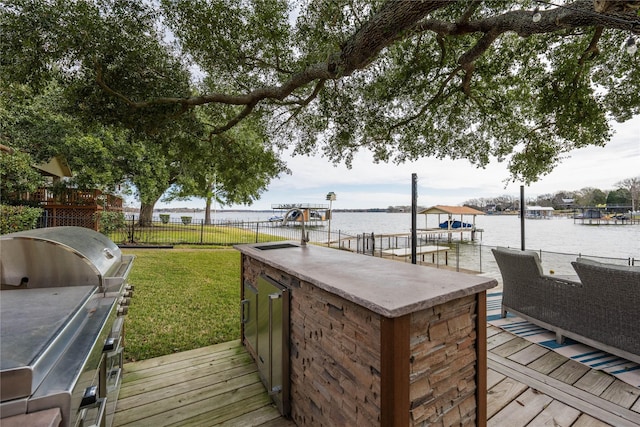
(433, 250)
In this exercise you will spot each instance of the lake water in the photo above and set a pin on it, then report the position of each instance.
(555, 235)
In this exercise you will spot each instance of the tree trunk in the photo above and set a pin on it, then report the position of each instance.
(146, 214)
(207, 212)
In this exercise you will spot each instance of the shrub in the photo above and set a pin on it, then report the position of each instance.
(186, 220)
(165, 218)
(110, 221)
(18, 218)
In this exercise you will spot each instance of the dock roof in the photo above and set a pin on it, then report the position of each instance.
(451, 210)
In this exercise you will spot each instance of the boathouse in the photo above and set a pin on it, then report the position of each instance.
(451, 219)
(538, 212)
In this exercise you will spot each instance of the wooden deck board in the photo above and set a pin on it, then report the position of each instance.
(623, 394)
(520, 411)
(219, 386)
(599, 399)
(215, 385)
(595, 382)
(528, 354)
(201, 373)
(502, 394)
(588, 421)
(510, 347)
(547, 363)
(555, 414)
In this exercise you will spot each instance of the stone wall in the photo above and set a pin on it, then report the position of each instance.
(335, 354)
(443, 364)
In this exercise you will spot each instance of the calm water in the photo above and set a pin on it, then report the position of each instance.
(555, 235)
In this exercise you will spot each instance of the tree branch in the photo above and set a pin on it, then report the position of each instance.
(423, 109)
(592, 50)
(396, 20)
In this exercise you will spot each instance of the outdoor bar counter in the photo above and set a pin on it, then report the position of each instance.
(367, 341)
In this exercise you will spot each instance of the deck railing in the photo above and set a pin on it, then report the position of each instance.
(46, 197)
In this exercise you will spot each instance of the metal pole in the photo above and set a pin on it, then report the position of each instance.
(414, 214)
(131, 234)
(329, 231)
(522, 245)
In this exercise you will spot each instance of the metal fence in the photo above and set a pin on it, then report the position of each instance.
(186, 231)
(462, 256)
(432, 249)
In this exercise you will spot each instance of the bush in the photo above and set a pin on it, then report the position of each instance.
(186, 220)
(18, 218)
(110, 221)
(164, 218)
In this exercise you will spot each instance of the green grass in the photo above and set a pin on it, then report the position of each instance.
(183, 299)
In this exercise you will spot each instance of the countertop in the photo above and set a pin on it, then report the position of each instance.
(389, 288)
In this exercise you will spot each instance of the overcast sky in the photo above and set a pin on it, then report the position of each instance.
(445, 182)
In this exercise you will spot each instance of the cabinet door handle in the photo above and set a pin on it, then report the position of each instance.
(274, 296)
(244, 303)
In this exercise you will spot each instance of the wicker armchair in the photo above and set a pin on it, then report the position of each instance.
(610, 308)
(580, 310)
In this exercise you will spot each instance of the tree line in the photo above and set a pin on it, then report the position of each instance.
(625, 194)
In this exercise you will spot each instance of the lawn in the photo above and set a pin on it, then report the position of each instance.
(183, 299)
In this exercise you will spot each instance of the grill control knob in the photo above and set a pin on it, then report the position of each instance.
(128, 290)
(109, 344)
(89, 397)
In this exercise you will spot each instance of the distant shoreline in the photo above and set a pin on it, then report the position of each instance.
(220, 211)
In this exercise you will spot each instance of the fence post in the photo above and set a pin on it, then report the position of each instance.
(458, 256)
(257, 232)
(201, 231)
(373, 244)
(131, 232)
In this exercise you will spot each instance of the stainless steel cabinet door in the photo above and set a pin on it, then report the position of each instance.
(250, 316)
(273, 340)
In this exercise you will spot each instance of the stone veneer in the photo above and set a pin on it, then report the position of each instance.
(335, 358)
(443, 364)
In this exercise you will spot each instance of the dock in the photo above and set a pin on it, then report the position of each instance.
(420, 251)
(527, 384)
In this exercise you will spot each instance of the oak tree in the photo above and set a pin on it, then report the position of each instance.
(522, 81)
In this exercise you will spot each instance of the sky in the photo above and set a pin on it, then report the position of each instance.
(441, 182)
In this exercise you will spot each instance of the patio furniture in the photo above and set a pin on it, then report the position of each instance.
(610, 307)
(602, 310)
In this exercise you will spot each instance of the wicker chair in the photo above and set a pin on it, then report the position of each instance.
(574, 309)
(610, 308)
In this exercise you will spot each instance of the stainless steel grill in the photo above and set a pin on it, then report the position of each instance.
(63, 290)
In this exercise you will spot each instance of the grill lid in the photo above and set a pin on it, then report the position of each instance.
(60, 256)
(36, 326)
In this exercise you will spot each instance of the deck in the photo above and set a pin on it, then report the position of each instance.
(528, 385)
(209, 386)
